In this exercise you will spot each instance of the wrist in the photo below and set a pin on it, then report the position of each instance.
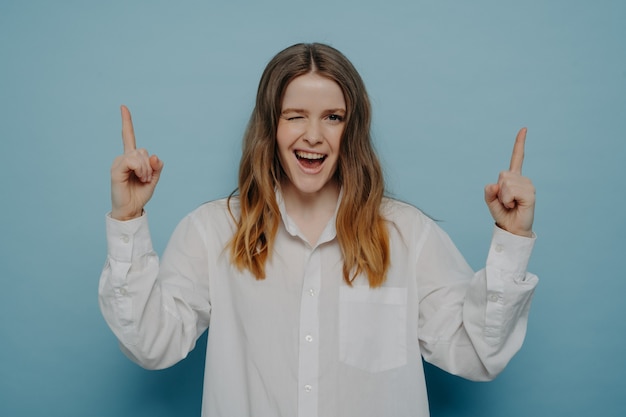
(523, 233)
(123, 217)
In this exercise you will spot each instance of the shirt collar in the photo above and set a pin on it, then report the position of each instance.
(329, 232)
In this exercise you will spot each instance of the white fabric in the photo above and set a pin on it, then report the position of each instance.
(301, 342)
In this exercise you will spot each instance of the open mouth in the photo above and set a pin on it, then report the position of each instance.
(310, 159)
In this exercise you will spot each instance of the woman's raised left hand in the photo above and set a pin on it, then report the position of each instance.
(511, 200)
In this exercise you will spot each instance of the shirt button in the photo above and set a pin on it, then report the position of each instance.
(308, 388)
(308, 338)
(499, 248)
(125, 238)
(311, 292)
(493, 297)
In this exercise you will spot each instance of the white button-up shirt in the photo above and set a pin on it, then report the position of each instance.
(302, 342)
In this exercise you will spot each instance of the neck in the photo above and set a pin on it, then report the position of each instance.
(311, 211)
(322, 201)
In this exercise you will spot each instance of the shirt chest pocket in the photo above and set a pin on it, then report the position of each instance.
(372, 327)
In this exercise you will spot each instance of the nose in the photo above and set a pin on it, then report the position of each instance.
(313, 133)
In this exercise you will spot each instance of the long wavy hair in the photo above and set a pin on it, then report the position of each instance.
(361, 230)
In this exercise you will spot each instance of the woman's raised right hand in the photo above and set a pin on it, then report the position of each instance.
(134, 175)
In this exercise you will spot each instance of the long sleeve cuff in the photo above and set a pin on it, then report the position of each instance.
(128, 239)
(509, 252)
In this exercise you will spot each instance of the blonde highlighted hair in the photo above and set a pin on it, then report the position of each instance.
(361, 230)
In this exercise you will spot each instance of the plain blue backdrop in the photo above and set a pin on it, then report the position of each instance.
(451, 83)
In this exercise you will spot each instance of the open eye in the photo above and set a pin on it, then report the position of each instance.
(335, 118)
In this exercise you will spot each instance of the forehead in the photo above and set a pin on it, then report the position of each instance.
(313, 89)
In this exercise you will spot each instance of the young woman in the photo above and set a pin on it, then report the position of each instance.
(322, 296)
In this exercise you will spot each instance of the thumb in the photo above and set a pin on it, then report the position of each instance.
(157, 166)
(491, 193)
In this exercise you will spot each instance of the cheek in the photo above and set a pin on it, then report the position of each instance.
(281, 138)
(282, 147)
(285, 135)
(334, 138)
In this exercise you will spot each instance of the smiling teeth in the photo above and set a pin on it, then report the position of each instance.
(308, 155)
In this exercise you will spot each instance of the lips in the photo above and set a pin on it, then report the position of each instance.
(309, 155)
(310, 160)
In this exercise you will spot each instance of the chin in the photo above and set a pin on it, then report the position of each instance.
(310, 187)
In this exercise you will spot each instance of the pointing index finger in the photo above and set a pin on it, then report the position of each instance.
(517, 158)
(128, 133)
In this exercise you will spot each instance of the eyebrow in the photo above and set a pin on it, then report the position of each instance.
(293, 110)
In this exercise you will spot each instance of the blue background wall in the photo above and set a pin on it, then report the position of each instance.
(451, 83)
